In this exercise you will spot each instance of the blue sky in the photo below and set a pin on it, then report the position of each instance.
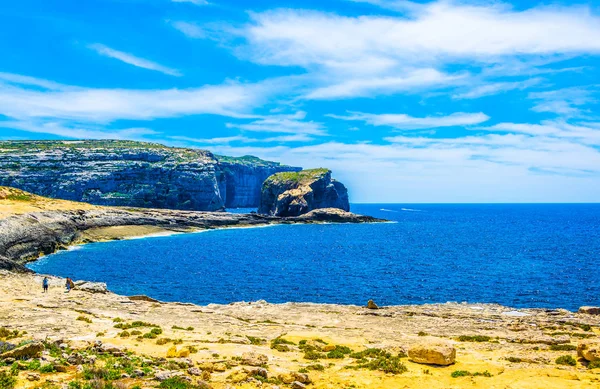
(425, 101)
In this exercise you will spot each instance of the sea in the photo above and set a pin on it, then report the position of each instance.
(518, 255)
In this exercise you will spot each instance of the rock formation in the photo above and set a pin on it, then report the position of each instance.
(136, 174)
(297, 193)
(25, 237)
(433, 353)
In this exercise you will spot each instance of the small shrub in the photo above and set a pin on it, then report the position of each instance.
(313, 355)
(566, 360)
(464, 373)
(474, 338)
(7, 381)
(421, 333)
(156, 331)
(117, 320)
(48, 368)
(594, 365)
(563, 347)
(193, 350)
(316, 367)
(514, 359)
(85, 319)
(125, 334)
(335, 354)
(174, 383)
(162, 341)
(256, 341)
(136, 332)
(460, 373)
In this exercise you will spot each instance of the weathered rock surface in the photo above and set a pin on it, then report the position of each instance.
(433, 353)
(254, 359)
(30, 350)
(590, 310)
(589, 350)
(91, 287)
(127, 173)
(298, 193)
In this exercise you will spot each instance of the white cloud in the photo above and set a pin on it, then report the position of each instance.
(196, 2)
(497, 167)
(412, 80)
(585, 133)
(189, 29)
(489, 89)
(232, 99)
(406, 122)
(283, 124)
(77, 131)
(367, 55)
(565, 102)
(133, 60)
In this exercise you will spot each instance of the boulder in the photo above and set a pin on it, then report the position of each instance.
(296, 193)
(33, 377)
(590, 310)
(301, 377)
(430, 353)
(254, 359)
(29, 350)
(371, 305)
(5, 346)
(194, 371)
(91, 287)
(298, 385)
(589, 350)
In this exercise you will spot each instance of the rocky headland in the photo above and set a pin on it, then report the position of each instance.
(135, 174)
(34, 229)
(297, 193)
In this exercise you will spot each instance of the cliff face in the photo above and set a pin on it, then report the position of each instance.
(297, 193)
(242, 179)
(124, 173)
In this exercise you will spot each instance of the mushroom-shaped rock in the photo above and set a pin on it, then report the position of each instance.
(433, 353)
(297, 193)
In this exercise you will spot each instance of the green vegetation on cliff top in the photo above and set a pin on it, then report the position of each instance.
(190, 153)
(301, 177)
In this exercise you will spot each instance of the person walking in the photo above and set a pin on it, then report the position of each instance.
(68, 285)
(45, 284)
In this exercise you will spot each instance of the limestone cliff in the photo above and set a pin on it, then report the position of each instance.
(126, 173)
(297, 193)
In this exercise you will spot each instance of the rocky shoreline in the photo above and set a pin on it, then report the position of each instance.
(108, 339)
(28, 236)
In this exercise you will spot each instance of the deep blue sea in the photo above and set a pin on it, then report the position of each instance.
(516, 255)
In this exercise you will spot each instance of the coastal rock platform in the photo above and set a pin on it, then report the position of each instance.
(328, 346)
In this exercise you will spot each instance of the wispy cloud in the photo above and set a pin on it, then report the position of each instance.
(133, 60)
(232, 99)
(406, 122)
(367, 55)
(282, 124)
(191, 30)
(74, 131)
(565, 102)
(494, 88)
(196, 2)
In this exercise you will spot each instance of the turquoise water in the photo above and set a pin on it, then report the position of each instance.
(515, 255)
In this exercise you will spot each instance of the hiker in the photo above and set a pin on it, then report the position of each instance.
(45, 284)
(69, 285)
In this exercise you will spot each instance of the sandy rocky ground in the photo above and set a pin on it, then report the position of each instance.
(86, 340)
(237, 345)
